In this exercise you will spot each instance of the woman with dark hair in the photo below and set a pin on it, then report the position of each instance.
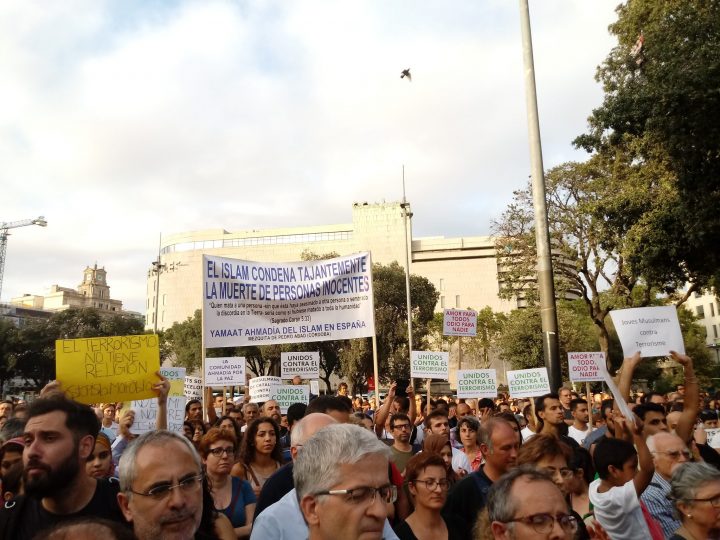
(260, 452)
(228, 424)
(440, 446)
(426, 479)
(467, 428)
(578, 486)
(232, 496)
(100, 463)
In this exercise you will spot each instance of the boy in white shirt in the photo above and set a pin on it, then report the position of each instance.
(615, 496)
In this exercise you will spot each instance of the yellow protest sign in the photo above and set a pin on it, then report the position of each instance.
(102, 369)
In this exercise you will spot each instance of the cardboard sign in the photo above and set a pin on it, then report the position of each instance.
(287, 394)
(477, 383)
(305, 364)
(104, 369)
(249, 303)
(193, 387)
(261, 388)
(146, 410)
(525, 383)
(459, 322)
(429, 365)
(585, 366)
(226, 371)
(654, 331)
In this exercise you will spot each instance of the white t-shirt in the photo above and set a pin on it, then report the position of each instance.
(526, 433)
(618, 511)
(578, 435)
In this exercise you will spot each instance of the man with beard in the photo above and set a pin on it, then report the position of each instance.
(271, 408)
(59, 437)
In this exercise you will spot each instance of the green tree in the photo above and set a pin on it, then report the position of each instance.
(661, 110)
(8, 347)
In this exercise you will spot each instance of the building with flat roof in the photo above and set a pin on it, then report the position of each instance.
(706, 307)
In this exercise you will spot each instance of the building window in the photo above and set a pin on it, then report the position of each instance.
(457, 300)
(441, 286)
(442, 302)
(164, 299)
(715, 333)
(700, 311)
(712, 309)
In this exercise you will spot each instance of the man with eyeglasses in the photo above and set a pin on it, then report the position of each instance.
(342, 485)
(58, 439)
(401, 449)
(525, 504)
(161, 490)
(668, 451)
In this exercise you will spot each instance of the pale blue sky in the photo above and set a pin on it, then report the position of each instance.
(172, 116)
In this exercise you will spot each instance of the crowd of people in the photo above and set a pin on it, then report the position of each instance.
(563, 466)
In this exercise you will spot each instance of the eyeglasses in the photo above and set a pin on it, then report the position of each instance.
(543, 523)
(401, 426)
(675, 455)
(714, 501)
(565, 473)
(365, 494)
(161, 491)
(431, 484)
(217, 452)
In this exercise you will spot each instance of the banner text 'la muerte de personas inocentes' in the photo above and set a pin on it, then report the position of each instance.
(254, 303)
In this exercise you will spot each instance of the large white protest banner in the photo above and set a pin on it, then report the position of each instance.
(654, 331)
(254, 303)
(429, 365)
(524, 383)
(261, 388)
(305, 364)
(459, 322)
(585, 366)
(225, 371)
(477, 383)
(146, 410)
(287, 394)
(193, 387)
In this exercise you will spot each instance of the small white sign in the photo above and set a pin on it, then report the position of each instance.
(146, 410)
(305, 364)
(524, 383)
(429, 365)
(226, 371)
(315, 388)
(654, 331)
(262, 388)
(460, 322)
(713, 438)
(193, 387)
(585, 366)
(477, 383)
(287, 394)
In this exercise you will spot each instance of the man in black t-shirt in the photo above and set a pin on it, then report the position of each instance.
(59, 436)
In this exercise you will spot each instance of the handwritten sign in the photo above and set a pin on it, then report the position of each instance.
(193, 387)
(524, 383)
(146, 410)
(287, 394)
(477, 383)
(103, 369)
(305, 364)
(315, 388)
(713, 438)
(654, 331)
(429, 365)
(585, 366)
(226, 371)
(254, 303)
(261, 388)
(459, 322)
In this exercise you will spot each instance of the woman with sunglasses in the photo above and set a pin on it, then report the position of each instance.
(232, 496)
(695, 491)
(426, 479)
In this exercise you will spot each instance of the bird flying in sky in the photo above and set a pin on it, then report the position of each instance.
(406, 73)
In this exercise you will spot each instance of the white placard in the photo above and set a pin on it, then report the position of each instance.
(287, 394)
(193, 387)
(429, 365)
(226, 371)
(255, 303)
(713, 437)
(459, 322)
(654, 331)
(305, 364)
(315, 388)
(261, 388)
(528, 382)
(585, 366)
(146, 410)
(477, 383)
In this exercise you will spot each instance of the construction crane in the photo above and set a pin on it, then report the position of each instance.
(4, 228)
